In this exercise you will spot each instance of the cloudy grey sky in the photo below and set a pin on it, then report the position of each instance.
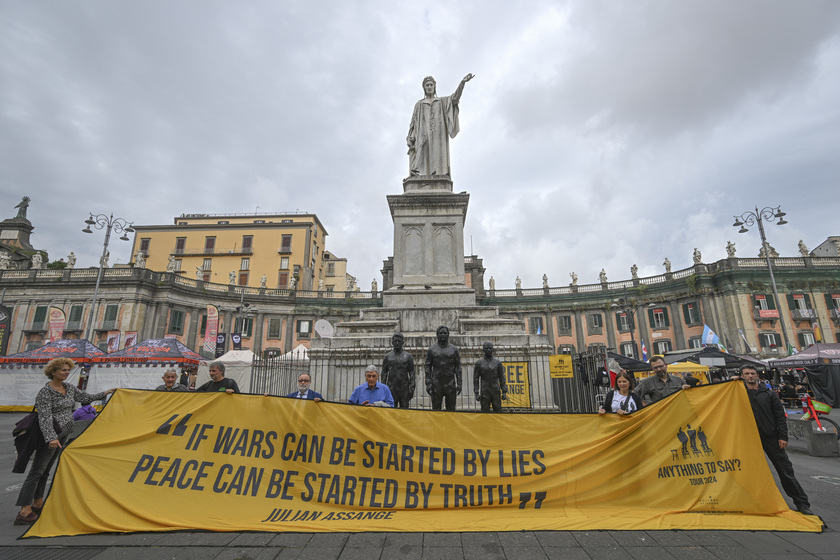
(595, 134)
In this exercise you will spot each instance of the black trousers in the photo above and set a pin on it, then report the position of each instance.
(438, 397)
(784, 467)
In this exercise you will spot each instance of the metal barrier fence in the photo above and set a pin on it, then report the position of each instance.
(336, 373)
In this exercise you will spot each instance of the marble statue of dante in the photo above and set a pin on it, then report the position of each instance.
(433, 123)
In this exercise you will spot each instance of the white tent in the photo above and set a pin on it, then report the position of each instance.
(237, 367)
(300, 352)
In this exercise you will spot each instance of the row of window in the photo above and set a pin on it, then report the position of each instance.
(796, 302)
(657, 317)
(210, 244)
(241, 325)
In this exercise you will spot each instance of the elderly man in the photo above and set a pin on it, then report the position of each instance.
(372, 392)
(170, 384)
(660, 384)
(398, 372)
(304, 392)
(443, 371)
(772, 429)
(218, 382)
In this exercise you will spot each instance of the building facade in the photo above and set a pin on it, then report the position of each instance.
(287, 249)
(667, 312)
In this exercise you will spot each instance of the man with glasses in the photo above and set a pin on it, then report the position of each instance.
(660, 384)
(772, 428)
(304, 392)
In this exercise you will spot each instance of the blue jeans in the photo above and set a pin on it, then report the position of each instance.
(39, 473)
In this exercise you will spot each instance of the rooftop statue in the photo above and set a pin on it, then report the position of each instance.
(24, 204)
(433, 123)
(730, 250)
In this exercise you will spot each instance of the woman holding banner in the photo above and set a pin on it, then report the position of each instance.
(621, 400)
(54, 403)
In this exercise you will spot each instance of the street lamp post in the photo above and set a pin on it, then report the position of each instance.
(108, 223)
(770, 214)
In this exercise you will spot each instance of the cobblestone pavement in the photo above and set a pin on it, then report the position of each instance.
(819, 476)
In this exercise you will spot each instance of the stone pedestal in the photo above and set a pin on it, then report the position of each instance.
(428, 290)
(428, 234)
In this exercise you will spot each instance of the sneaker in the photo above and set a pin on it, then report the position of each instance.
(26, 519)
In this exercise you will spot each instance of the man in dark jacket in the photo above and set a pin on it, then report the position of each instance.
(772, 427)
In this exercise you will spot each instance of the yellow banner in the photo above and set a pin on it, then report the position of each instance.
(155, 461)
(518, 385)
(560, 366)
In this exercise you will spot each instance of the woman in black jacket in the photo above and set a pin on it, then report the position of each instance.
(621, 400)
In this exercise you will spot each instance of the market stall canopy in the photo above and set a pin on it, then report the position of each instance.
(236, 357)
(78, 350)
(155, 351)
(699, 355)
(820, 353)
(629, 364)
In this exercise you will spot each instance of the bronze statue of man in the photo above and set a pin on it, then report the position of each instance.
(398, 372)
(443, 371)
(489, 380)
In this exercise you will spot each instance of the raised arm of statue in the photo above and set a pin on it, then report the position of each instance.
(456, 97)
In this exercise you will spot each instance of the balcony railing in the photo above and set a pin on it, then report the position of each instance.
(765, 314)
(40, 326)
(803, 314)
